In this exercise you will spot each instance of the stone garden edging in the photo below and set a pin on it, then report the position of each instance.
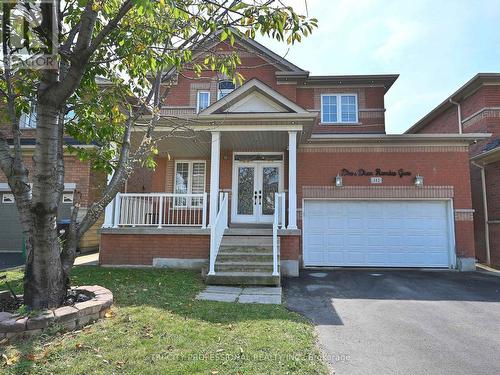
(13, 326)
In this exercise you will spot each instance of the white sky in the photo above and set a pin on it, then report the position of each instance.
(435, 46)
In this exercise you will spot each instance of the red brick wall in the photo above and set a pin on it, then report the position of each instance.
(370, 99)
(438, 169)
(140, 249)
(76, 171)
(290, 247)
(482, 99)
(447, 122)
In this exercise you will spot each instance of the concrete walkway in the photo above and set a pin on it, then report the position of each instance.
(265, 295)
(87, 260)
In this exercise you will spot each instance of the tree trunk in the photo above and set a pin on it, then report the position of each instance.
(44, 282)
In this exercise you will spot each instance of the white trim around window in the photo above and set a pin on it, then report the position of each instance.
(202, 103)
(341, 112)
(195, 184)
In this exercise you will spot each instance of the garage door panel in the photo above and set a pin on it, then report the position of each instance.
(376, 233)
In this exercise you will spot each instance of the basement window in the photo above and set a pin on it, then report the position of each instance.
(8, 198)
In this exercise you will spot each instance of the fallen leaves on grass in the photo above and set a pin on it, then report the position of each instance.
(10, 360)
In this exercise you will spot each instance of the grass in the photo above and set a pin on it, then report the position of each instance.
(157, 327)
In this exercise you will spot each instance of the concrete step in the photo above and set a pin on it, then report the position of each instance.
(244, 257)
(266, 267)
(249, 231)
(245, 249)
(243, 278)
(256, 241)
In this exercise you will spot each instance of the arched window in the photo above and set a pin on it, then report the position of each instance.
(224, 88)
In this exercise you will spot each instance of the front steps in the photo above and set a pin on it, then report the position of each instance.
(244, 260)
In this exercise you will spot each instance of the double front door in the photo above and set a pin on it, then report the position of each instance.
(254, 186)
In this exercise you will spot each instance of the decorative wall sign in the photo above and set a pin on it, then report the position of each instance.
(378, 172)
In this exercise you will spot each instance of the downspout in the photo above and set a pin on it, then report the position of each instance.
(485, 208)
(459, 111)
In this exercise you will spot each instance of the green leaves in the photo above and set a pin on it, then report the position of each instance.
(156, 35)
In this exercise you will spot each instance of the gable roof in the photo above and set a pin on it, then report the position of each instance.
(467, 89)
(262, 51)
(253, 96)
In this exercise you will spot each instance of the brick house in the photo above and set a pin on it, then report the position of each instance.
(475, 108)
(290, 170)
(79, 177)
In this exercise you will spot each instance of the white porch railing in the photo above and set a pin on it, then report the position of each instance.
(160, 210)
(217, 230)
(278, 223)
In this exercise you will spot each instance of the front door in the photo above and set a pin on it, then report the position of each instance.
(254, 185)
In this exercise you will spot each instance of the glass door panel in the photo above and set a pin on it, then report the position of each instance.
(270, 186)
(246, 183)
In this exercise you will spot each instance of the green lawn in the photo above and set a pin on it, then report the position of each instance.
(158, 328)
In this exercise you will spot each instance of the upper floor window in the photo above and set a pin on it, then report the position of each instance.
(339, 108)
(202, 101)
(28, 120)
(224, 88)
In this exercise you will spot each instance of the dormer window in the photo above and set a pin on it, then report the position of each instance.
(225, 88)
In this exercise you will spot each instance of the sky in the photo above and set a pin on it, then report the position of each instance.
(435, 47)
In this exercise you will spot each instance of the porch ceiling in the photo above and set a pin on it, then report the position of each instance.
(198, 144)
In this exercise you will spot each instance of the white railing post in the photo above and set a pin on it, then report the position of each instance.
(277, 201)
(109, 215)
(283, 210)
(217, 228)
(118, 205)
(204, 212)
(160, 212)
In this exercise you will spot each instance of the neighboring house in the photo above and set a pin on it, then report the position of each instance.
(290, 170)
(475, 108)
(78, 177)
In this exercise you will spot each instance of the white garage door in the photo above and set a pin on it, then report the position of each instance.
(377, 233)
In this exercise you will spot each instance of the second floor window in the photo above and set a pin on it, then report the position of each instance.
(224, 88)
(28, 120)
(339, 108)
(202, 101)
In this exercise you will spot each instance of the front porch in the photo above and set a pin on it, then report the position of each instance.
(255, 208)
(224, 192)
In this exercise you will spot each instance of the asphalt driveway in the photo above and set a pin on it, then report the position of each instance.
(402, 322)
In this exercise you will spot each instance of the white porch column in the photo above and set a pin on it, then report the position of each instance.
(214, 177)
(292, 180)
(108, 212)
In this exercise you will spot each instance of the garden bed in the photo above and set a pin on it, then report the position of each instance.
(83, 305)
